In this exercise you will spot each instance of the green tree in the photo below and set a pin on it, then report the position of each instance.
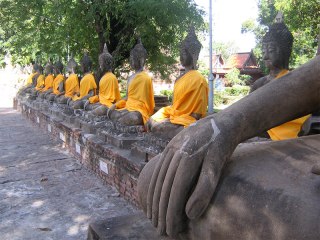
(60, 28)
(301, 17)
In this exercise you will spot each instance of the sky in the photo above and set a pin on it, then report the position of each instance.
(228, 16)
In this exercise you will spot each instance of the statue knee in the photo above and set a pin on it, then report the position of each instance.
(131, 118)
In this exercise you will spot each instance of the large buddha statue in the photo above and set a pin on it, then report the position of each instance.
(268, 190)
(57, 82)
(108, 87)
(88, 84)
(48, 81)
(190, 94)
(276, 48)
(71, 85)
(139, 104)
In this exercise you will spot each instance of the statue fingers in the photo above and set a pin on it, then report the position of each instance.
(153, 182)
(169, 157)
(207, 182)
(165, 192)
(185, 178)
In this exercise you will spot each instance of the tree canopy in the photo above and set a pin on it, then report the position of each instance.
(48, 28)
(302, 18)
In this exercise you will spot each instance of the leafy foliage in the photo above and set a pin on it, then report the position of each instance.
(45, 28)
(235, 78)
(301, 17)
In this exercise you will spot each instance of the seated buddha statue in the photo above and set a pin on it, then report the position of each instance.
(276, 50)
(29, 82)
(190, 94)
(139, 104)
(88, 84)
(108, 87)
(57, 81)
(199, 187)
(70, 86)
(37, 81)
(48, 81)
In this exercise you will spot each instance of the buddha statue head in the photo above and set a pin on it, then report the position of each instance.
(86, 63)
(48, 69)
(71, 66)
(189, 50)
(58, 67)
(277, 45)
(105, 60)
(138, 56)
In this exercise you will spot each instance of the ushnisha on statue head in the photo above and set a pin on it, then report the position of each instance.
(190, 50)
(58, 67)
(138, 56)
(86, 63)
(278, 44)
(105, 60)
(48, 69)
(72, 65)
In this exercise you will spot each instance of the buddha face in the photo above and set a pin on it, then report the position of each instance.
(135, 62)
(272, 55)
(185, 58)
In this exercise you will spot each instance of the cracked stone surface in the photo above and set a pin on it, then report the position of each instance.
(44, 192)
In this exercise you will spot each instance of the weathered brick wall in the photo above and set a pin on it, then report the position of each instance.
(114, 165)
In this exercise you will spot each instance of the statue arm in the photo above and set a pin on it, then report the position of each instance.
(188, 170)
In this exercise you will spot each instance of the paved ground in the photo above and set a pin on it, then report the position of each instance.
(44, 192)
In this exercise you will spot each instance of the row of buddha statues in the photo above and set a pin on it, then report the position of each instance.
(190, 96)
(137, 108)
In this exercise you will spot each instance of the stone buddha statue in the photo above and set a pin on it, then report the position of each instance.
(199, 187)
(37, 81)
(190, 94)
(276, 48)
(48, 81)
(71, 85)
(58, 81)
(108, 87)
(88, 84)
(139, 104)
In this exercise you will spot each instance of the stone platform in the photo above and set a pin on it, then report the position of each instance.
(113, 152)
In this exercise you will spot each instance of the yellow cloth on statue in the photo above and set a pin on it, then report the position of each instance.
(190, 95)
(140, 96)
(56, 82)
(71, 85)
(48, 81)
(40, 82)
(87, 84)
(108, 90)
(29, 80)
(287, 130)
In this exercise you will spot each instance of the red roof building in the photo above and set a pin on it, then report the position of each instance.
(245, 62)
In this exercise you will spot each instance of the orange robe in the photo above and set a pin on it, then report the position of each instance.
(71, 85)
(190, 95)
(287, 130)
(40, 82)
(87, 84)
(108, 90)
(56, 82)
(47, 83)
(29, 80)
(140, 96)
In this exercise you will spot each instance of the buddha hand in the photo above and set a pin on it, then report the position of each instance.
(187, 173)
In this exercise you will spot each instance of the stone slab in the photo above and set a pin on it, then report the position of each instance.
(134, 227)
